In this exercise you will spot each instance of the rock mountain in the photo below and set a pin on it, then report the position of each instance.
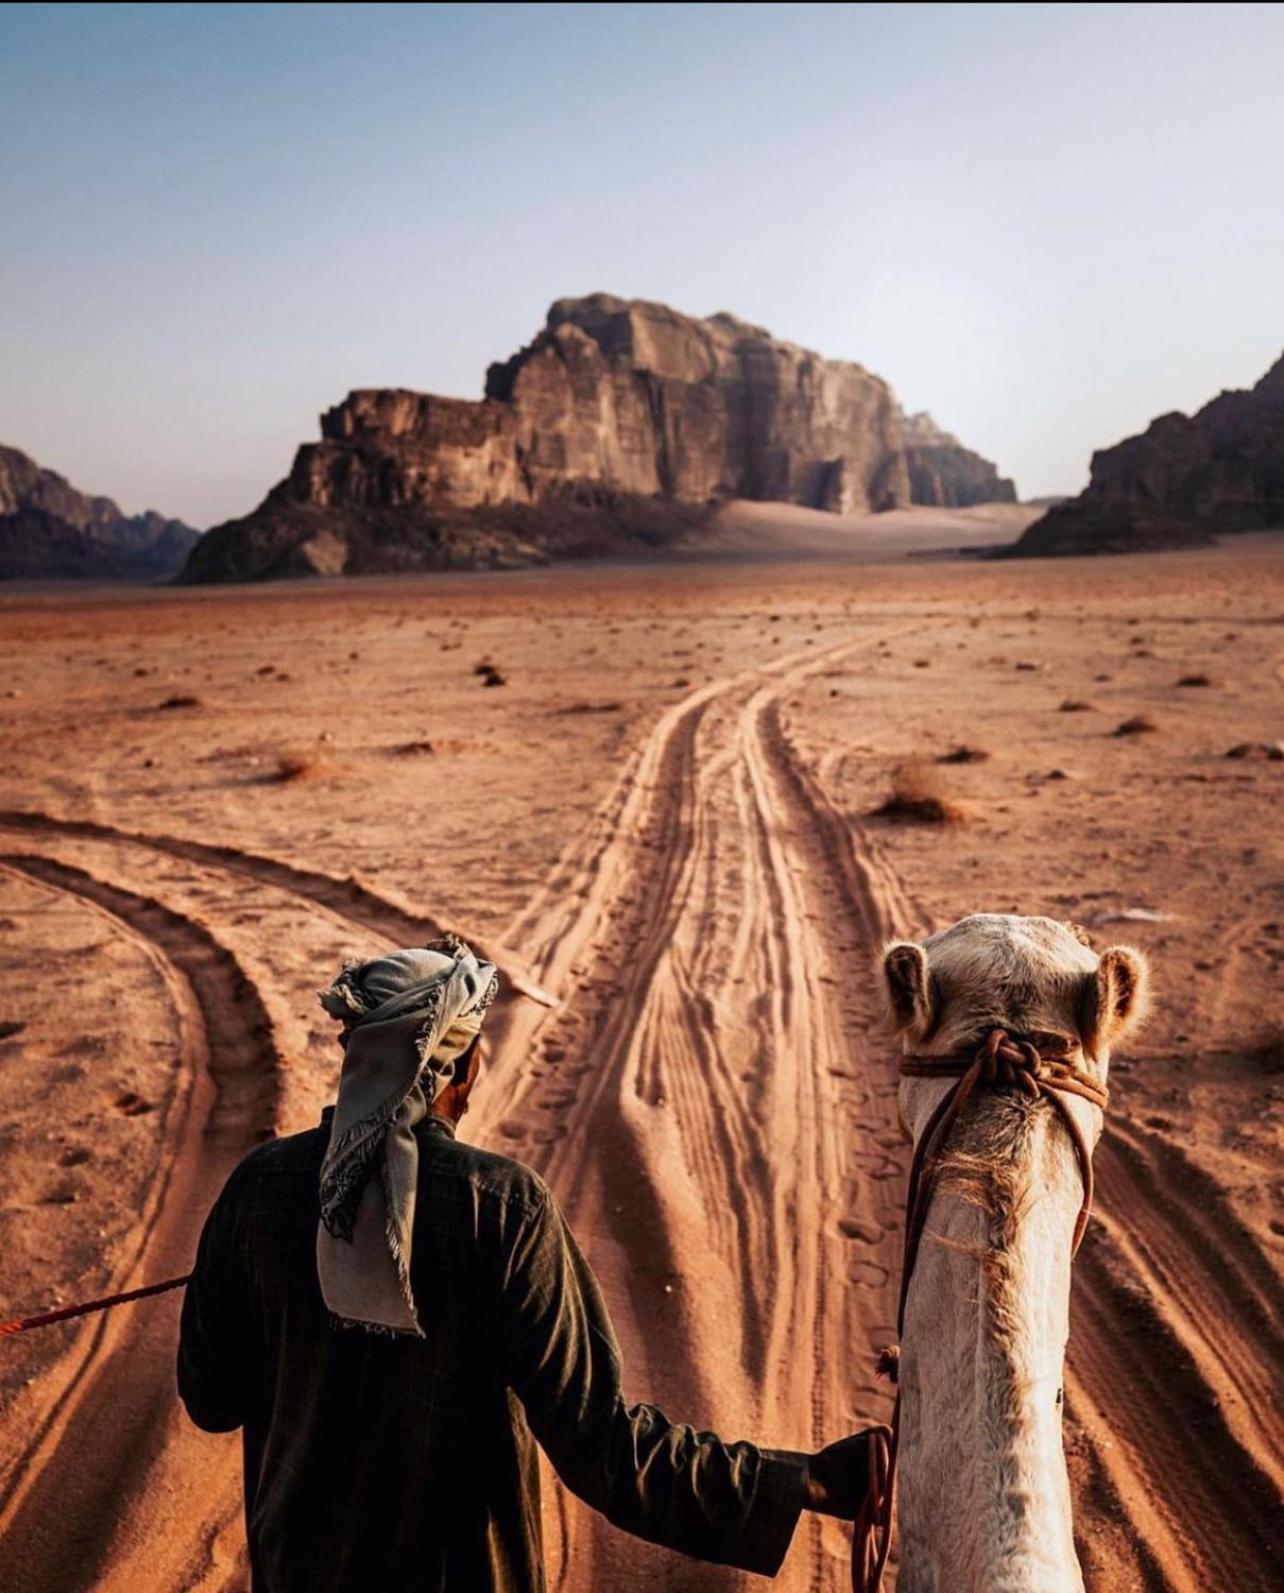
(49, 531)
(619, 425)
(1185, 478)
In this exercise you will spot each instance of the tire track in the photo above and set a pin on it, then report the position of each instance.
(349, 899)
(1228, 1315)
(717, 994)
(113, 1461)
(1201, 1505)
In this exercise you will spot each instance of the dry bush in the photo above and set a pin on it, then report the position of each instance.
(1195, 680)
(1076, 705)
(293, 764)
(1138, 725)
(917, 796)
(182, 700)
(964, 754)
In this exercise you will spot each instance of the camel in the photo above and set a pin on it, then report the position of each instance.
(984, 1497)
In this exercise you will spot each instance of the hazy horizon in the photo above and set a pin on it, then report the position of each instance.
(1043, 224)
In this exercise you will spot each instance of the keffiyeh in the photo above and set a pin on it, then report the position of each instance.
(409, 1017)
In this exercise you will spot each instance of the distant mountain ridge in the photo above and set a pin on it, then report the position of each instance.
(620, 425)
(50, 531)
(1180, 482)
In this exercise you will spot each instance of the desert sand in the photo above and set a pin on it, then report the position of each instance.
(663, 817)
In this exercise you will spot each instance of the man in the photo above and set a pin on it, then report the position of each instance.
(389, 1315)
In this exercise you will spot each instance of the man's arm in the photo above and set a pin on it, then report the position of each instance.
(731, 1503)
(215, 1347)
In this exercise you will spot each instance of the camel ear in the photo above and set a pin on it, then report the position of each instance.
(907, 988)
(1116, 999)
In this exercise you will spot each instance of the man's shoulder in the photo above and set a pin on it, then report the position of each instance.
(284, 1155)
(494, 1176)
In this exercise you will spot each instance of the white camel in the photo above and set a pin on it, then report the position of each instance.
(984, 1498)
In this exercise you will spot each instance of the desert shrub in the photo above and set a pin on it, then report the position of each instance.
(294, 764)
(964, 754)
(917, 796)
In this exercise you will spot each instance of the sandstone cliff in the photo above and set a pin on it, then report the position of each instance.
(620, 418)
(1181, 481)
(943, 473)
(49, 531)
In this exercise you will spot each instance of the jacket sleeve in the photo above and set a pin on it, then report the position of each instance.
(216, 1354)
(731, 1503)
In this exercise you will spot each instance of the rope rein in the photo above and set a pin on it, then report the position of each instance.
(1000, 1061)
(46, 1318)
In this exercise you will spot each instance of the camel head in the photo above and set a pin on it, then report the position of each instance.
(984, 1498)
(1035, 977)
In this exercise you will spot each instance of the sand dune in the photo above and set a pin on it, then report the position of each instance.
(783, 530)
(663, 819)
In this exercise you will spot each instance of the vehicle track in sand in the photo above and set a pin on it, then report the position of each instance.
(261, 926)
(83, 1509)
(1174, 1370)
(712, 1077)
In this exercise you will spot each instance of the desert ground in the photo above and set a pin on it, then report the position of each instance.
(664, 816)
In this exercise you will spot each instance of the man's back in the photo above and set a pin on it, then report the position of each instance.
(392, 1463)
(371, 1459)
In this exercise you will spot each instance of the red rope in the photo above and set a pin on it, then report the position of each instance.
(23, 1323)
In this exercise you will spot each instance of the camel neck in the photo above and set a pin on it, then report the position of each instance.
(983, 1485)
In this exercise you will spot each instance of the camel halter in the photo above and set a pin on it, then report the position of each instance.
(1003, 1061)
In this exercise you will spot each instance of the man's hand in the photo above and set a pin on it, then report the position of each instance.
(838, 1476)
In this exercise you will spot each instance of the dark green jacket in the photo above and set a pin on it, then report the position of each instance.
(377, 1464)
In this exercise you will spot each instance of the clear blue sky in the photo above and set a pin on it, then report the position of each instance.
(1044, 223)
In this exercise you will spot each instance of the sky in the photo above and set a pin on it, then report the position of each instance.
(1045, 224)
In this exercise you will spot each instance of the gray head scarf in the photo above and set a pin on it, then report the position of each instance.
(409, 1017)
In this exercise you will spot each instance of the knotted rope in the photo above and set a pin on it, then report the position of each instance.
(1000, 1061)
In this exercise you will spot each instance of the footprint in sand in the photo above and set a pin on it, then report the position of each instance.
(867, 1232)
(548, 1136)
(868, 1274)
(132, 1105)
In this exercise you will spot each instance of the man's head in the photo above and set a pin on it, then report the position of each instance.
(425, 1003)
(411, 1021)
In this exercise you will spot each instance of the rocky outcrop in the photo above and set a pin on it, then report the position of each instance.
(619, 419)
(1179, 483)
(943, 472)
(49, 531)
